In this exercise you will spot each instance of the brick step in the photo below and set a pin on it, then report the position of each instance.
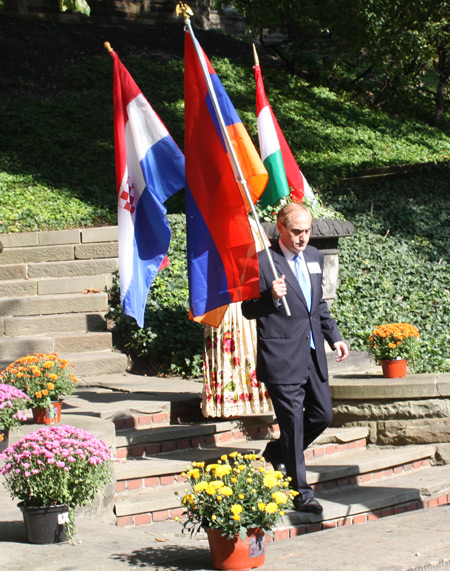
(54, 286)
(417, 489)
(50, 324)
(144, 442)
(54, 304)
(169, 465)
(376, 470)
(351, 469)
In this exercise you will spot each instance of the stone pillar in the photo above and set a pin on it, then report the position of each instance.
(325, 236)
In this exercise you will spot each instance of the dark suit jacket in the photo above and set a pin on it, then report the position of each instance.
(283, 342)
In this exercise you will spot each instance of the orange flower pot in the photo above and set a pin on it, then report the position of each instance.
(235, 554)
(49, 415)
(394, 369)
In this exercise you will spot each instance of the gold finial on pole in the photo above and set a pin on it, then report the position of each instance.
(108, 46)
(255, 55)
(184, 9)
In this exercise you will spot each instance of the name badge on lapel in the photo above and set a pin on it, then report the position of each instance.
(314, 268)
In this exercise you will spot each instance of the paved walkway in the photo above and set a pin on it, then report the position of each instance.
(418, 540)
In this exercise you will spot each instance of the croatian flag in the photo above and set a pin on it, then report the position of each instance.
(222, 260)
(284, 174)
(149, 170)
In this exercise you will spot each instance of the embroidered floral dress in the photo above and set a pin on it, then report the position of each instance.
(229, 366)
(231, 387)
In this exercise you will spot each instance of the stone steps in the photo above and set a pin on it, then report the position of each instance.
(54, 297)
(152, 498)
(142, 442)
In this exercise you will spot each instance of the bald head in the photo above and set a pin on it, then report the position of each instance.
(294, 223)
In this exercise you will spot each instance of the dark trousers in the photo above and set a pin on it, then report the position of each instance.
(303, 410)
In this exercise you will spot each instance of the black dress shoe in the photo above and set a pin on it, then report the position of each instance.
(269, 456)
(280, 468)
(310, 505)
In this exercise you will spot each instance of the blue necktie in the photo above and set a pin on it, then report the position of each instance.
(306, 289)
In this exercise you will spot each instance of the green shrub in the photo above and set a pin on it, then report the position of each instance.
(169, 343)
(394, 269)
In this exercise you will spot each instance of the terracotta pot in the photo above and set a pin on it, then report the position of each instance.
(235, 554)
(46, 524)
(50, 415)
(394, 369)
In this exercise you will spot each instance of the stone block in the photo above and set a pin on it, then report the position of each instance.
(42, 324)
(56, 237)
(20, 240)
(345, 412)
(53, 286)
(15, 288)
(100, 363)
(97, 250)
(15, 347)
(102, 234)
(443, 453)
(83, 342)
(73, 268)
(13, 271)
(37, 254)
(54, 304)
(418, 431)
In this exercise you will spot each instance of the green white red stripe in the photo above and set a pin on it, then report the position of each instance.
(285, 175)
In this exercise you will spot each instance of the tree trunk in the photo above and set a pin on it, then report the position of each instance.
(443, 74)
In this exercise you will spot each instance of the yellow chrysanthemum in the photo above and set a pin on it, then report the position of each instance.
(200, 487)
(226, 491)
(279, 497)
(236, 509)
(271, 508)
(270, 480)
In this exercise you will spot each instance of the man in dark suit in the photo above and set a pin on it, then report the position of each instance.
(291, 358)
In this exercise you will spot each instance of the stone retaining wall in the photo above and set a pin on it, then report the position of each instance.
(412, 410)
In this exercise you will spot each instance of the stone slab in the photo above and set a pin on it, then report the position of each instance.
(54, 304)
(15, 288)
(14, 347)
(59, 237)
(97, 250)
(351, 386)
(19, 240)
(417, 431)
(44, 324)
(357, 411)
(37, 254)
(52, 286)
(83, 342)
(13, 271)
(73, 268)
(101, 234)
(95, 363)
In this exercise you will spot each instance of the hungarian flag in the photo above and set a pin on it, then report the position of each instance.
(222, 258)
(285, 177)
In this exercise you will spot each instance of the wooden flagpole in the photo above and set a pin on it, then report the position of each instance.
(186, 12)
